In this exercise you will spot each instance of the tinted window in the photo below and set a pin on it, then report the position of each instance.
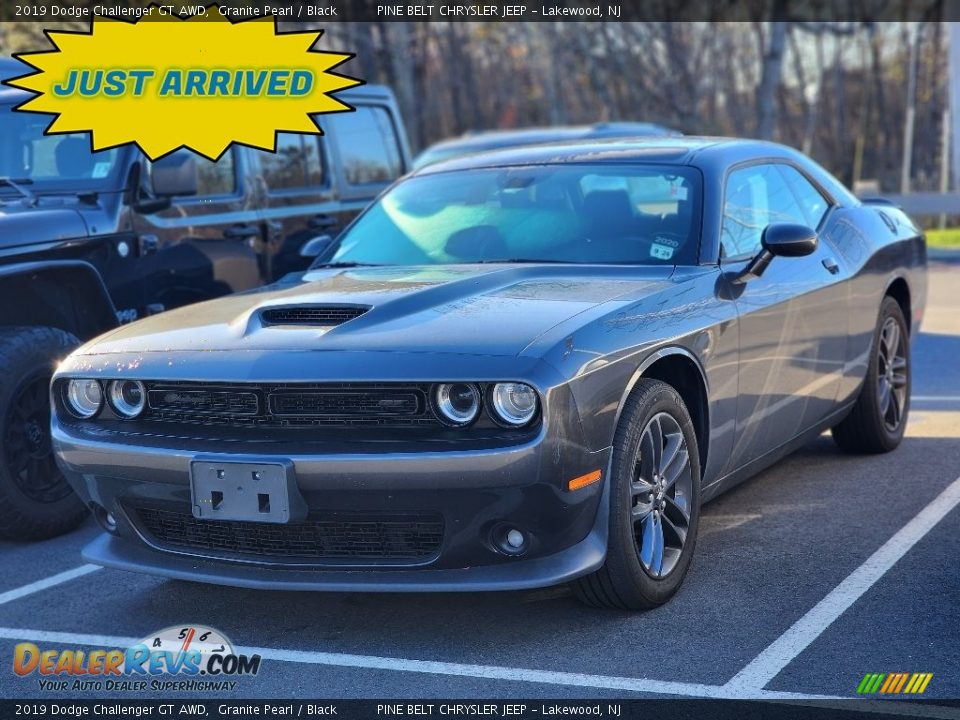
(51, 161)
(756, 196)
(295, 164)
(368, 145)
(615, 213)
(813, 204)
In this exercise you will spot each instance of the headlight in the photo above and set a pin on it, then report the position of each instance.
(84, 398)
(514, 404)
(127, 398)
(457, 404)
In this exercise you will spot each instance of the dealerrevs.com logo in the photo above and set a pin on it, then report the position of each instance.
(202, 657)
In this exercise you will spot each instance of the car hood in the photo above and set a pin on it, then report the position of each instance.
(21, 224)
(466, 309)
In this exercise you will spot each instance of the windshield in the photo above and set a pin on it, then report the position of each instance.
(54, 162)
(610, 213)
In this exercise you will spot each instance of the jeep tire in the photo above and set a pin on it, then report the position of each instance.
(36, 502)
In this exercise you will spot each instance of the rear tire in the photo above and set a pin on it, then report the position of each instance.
(35, 500)
(878, 419)
(654, 503)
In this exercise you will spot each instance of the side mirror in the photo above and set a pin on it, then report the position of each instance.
(788, 240)
(314, 246)
(174, 175)
(779, 240)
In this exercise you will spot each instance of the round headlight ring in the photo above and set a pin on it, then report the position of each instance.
(457, 404)
(128, 398)
(514, 404)
(83, 397)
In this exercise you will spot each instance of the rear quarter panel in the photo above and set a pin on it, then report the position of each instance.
(880, 246)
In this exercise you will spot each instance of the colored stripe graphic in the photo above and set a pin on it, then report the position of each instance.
(894, 683)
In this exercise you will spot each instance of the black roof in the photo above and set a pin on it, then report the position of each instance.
(673, 150)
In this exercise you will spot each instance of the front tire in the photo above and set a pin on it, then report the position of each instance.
(878, 419)
(35, 500)
(654, 503)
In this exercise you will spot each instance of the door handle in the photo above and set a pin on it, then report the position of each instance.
(830, 264)
(322, 222)
(241, 232)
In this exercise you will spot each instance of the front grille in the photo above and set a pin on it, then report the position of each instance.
(380, 403)
(323, 537)
(205, 402)
(290, 405)
(312, 315)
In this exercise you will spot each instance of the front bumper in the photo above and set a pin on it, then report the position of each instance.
(475, 492)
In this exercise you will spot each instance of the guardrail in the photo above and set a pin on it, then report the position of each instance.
(927, 203)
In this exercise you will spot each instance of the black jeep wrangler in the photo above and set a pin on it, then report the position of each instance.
(89, 240)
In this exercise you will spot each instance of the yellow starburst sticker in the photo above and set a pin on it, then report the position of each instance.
(203, 83)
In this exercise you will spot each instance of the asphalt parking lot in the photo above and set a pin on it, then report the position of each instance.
(807, 577)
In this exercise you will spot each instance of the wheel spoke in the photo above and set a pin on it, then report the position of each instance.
(899, 375)
(679, 507)
(884, 396)
(647, 541)
(678, 532)
(640, 486)
(892, 339)
(678, 468)
(656, 566)
(893, 411)
(656, 443)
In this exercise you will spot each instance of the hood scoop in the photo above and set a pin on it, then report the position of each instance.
(311, 315)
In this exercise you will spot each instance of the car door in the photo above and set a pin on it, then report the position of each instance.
(203, 245)
(792, 319)
(299, 199)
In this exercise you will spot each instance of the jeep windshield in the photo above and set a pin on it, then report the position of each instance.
(576, 213)
(53, 163)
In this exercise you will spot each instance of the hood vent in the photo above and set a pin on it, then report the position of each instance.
(312, 315)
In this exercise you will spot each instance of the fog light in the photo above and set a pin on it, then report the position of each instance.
(105, 519)
(515, 539)
(510, 540)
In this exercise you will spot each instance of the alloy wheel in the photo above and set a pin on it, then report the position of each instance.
(661, 490)
(892, 374)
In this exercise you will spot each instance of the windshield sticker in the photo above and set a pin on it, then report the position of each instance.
(678, 192)
(101, 170)
(661, 252)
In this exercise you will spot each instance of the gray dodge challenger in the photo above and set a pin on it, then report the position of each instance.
(514, 370)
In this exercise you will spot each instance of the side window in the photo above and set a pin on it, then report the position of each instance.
(367, 141)
(216, 178)
(813, 204)
(296, 164)
(755, 197)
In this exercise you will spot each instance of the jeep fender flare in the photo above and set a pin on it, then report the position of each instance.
(65, 294)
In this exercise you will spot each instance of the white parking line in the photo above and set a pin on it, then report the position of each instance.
(48, 582)
(768, 664)
(935, 398)
(485, 672)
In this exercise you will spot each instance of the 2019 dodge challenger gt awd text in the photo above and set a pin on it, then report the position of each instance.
(513, 370)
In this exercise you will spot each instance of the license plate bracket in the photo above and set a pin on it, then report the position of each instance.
(246, 490)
